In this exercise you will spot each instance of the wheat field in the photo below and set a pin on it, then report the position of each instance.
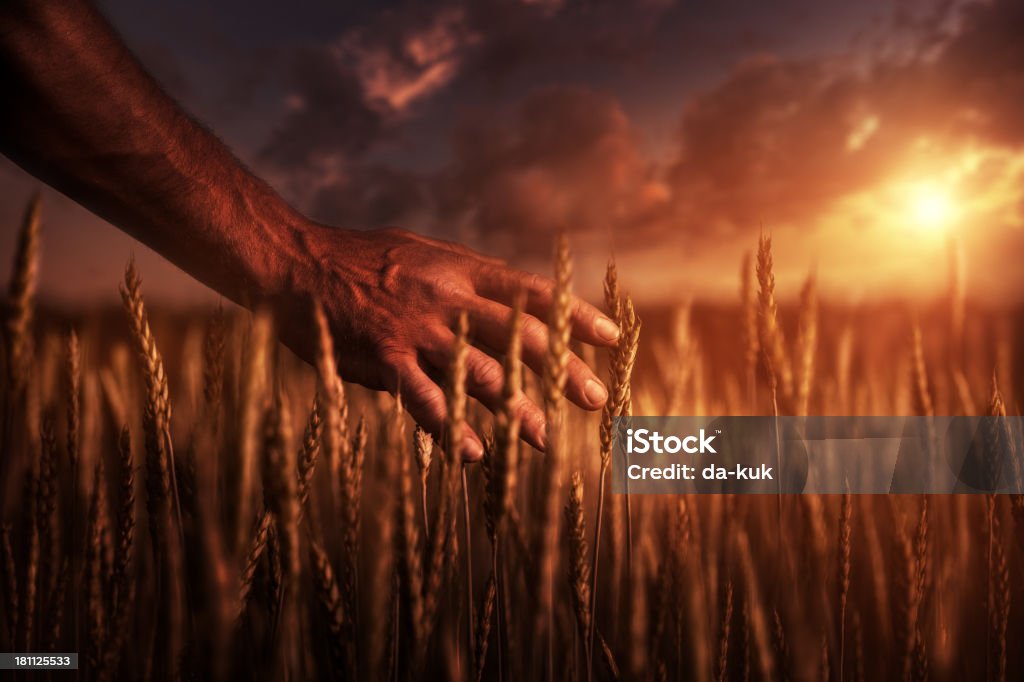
(184, 499)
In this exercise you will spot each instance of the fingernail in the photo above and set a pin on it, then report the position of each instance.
(595, 392)
(471, 449)
(606, 329)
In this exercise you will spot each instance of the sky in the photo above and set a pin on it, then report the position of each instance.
(867, 137)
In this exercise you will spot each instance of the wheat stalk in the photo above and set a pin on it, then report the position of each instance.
(442, 537)
(257, 545)
(623, 356)
(254, 385)
(483, 629)
(21, 294)
(923, 404)
(424, 446)
(122, 582)
(921, 565)
(351, 484)
(770, 337)
(309, 451)
(781, 647)
(94, 575)
(31, 580)
(723, 637)
(213, 368)
(56, 610)
(751, 341)
(281, 498)
(407, 540)
(579, 573)
(807, 340)
(756, 609)
(10, 577)
(74, 384)
(335, 409)
(999, 609)
(329, 596)
(555, 377)
(46, 510)
(845, 515)
(157, 411)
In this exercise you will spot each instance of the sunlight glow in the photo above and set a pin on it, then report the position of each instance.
(930, 207)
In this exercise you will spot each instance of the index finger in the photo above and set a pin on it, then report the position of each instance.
(503, 284)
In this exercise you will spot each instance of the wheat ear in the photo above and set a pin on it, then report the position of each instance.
(21, 293)
(751, 341)
(329, 596)
(407, 537)
(123, 583)
(579, 573)
(555, 377)
(441, 538)
(424, 446)
(770, 337)
(807, 341)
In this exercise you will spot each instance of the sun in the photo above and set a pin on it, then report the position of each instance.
(930, 206)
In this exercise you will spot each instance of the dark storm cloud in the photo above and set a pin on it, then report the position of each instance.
(568, 159)
(519, 34)
(773, 141)
(328, 115)
(778, 141)
(984, 63)
(345, 96)
(501, 122)
(372, 195)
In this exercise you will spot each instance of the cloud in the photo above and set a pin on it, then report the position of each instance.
(774, 142)
(373, 195)
(411, 58)
(568, 160)
(801, 144)
(984, 67)
(328, 113)
(344, 97)
(781, 140)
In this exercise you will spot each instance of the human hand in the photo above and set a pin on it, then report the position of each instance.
(392, 299)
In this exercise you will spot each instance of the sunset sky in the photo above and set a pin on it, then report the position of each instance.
(863, 135)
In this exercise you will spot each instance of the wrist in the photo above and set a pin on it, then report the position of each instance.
(268, 247)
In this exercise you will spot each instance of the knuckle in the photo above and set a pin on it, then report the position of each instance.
(539, 283)
(487, 373)
(390, 353)
(530, 416)
(534, 330)
(449, 289)
(578, 369)
(431, 401)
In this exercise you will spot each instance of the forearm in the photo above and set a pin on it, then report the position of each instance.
(82, 115)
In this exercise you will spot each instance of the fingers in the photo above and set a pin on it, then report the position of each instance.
(485, 379)
(425, 401)
(502, 284)
(490, 324)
